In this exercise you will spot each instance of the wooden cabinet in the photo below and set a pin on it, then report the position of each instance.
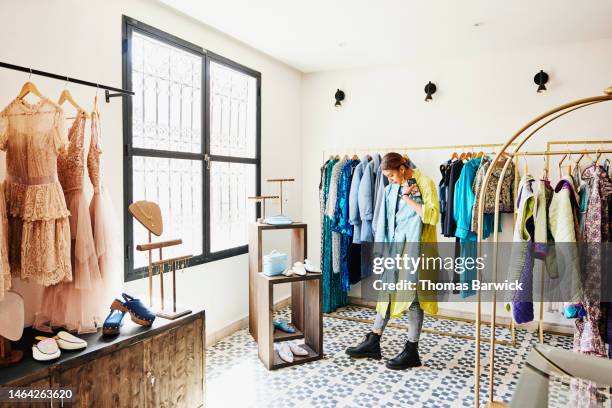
(173, 366)
(113, 380)
(163, 366)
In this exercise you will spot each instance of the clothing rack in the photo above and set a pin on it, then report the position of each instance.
(326, 152)
(539, 122)
(107, 89)
(463, 147)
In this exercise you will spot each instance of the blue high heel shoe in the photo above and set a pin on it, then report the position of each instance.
(113, 322)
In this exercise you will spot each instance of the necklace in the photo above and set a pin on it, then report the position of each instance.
(147, 216)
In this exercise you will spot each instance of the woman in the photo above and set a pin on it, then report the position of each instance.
(408, 219)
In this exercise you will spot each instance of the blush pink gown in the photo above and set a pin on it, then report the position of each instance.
(75, 305)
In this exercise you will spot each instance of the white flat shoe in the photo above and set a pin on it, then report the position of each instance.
(289, 272)
(311, 267)
(46, 350)
(284, 351)
(298, 269)
(297, 350)
(66, 341)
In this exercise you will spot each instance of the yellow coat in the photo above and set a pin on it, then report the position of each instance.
(430, 218)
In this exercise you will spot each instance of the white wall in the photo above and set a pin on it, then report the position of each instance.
(480, 99)
(82, 39)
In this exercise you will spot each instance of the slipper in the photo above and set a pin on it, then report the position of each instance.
(282, 325)
(46, 350)
(285, 353)
(297, 350)
(66, 341)
(289, 272)
(311, 267)
(299, 269)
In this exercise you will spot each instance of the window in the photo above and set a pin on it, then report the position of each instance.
(192, 145)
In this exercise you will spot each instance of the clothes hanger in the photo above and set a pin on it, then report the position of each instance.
(544, 169)
(454, 156)
(95, 104)
(28, 88)
(560, 164)
(67, 96)
(525, 166)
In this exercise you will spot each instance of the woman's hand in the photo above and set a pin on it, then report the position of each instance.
(410, 189)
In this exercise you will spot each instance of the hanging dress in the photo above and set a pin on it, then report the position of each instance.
(38, 229)
(106, 237)
(74, 305)
(5, 269)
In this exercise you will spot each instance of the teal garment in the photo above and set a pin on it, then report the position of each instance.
(464, 201)
(333, 295)
(399, 233)
(326, 249)
(462, 211)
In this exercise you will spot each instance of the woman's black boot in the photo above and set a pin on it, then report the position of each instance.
(407, 358)
(369, 347)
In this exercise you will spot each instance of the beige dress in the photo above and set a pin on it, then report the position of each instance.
(38, 227)
(75, 305)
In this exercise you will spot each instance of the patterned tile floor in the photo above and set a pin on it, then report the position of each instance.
(236, 377)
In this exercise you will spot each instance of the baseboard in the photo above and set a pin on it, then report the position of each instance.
(240, 324)
(549, 327)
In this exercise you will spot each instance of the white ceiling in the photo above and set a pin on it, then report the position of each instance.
(320, 35)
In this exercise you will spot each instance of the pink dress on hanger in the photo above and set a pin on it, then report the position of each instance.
(75, 305)
(106, 237)
(38, 229)
(5, 270)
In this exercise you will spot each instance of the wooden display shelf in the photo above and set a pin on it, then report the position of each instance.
(312, 356)
(280, 335)
(298, 253)
(312, 305)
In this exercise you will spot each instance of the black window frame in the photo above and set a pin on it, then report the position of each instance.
(130, 25)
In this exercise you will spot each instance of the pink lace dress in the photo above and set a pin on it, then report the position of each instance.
(75, 305)
(38, 229)
(106, 237)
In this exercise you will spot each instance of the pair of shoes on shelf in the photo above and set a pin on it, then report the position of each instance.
(139, 313)
(298, 268)
(48, 348)
(287, 350)
(283, 325)
(310, 267)
(301, 268)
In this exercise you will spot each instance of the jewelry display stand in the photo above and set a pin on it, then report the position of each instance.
(280, 181)
(262, 200)
(149, 215)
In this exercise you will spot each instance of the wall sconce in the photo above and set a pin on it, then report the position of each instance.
(541, 78)
(429, 90)
(339, 96)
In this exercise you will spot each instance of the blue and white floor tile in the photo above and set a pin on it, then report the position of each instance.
(236, 377)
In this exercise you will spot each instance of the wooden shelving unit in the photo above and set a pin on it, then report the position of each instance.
(313, 322)
(298, 253)
(306, 300)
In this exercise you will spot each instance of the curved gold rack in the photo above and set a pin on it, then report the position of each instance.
(541, 121)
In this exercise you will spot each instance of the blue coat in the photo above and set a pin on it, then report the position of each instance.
(399, 228)
(354, 215)
(365, 198)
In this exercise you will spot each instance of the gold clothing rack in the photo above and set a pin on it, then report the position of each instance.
(332, 151)
(460, 147)
(539, 122)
